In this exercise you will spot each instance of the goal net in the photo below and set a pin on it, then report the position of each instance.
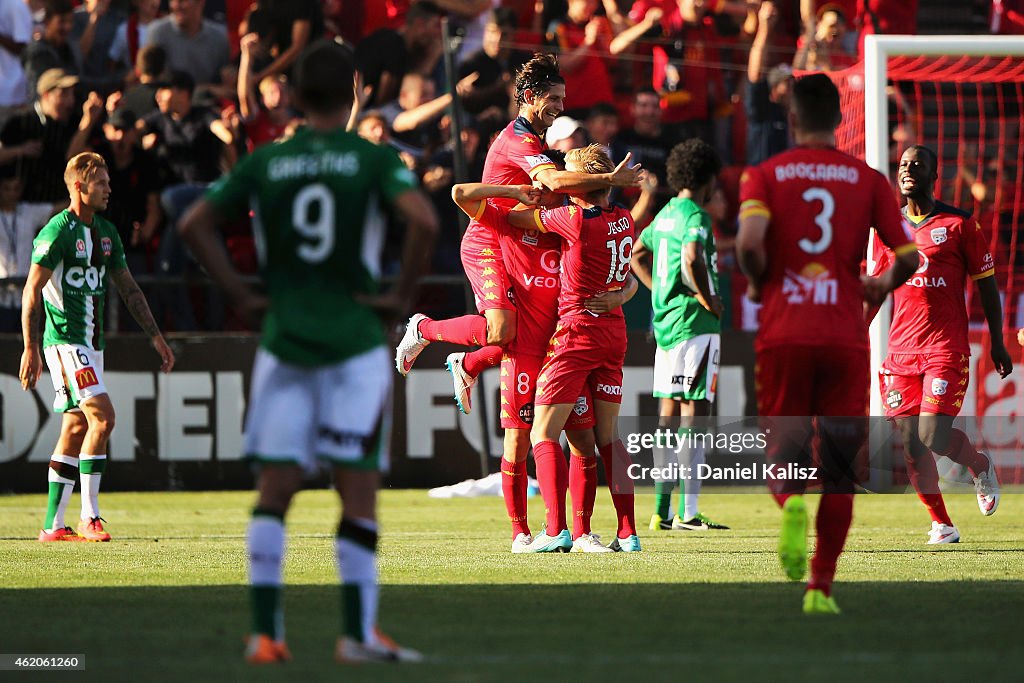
(962, 96)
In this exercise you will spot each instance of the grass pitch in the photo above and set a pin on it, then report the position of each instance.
(166, 600)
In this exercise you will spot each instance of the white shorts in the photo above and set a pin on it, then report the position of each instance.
(689, 370)
(77, 374)
(337, 413)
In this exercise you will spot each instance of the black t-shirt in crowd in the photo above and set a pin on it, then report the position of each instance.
(188, 148)
(767, 124)
(383, 50)
(43, 175)
(130, 188)
(651, 151)
(284, 13)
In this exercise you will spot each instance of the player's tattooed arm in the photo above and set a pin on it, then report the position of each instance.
(472, 197)
(135, 302)
(31, 322)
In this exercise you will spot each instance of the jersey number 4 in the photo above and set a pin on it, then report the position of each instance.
(313, 218)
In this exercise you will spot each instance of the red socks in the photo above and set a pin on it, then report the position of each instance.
(583, 489)
(616, 465)
(962, 452)
(553, 478)
(477, 361)
(513, 489)
(924, 476)
(469, 330)
(835, 512)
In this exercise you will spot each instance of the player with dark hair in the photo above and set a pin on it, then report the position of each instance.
(71, 258)
(805, 217)
(680, 246)
(314, 200)
(516, 157)
(925, 374)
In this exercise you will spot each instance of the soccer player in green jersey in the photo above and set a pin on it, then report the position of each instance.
(71, 258)
(687, 317)
(321, 383)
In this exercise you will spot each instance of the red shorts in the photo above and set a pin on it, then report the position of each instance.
(915, 383)
(518, 385)
(485, 269)
(812, 380)
(583, 354)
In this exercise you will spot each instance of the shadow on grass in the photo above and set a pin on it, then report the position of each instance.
(689, 631)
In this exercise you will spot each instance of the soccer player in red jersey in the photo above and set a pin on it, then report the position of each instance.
(516, 157)
(925, 374)
(587, 350)
(804, 222)
(532, 259)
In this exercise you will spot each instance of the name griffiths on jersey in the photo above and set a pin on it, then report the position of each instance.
(737, 472)
(307, 165)
(818, 172)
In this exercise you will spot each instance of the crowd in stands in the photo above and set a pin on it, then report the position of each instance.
(173, 93)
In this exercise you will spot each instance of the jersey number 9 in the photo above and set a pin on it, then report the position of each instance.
(314, 200)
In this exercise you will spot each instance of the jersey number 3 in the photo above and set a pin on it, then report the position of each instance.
(823, 220)
(318, 233)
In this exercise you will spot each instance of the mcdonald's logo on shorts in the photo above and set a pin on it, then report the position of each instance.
(86, 377)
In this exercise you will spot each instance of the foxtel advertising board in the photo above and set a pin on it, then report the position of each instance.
(183, 430)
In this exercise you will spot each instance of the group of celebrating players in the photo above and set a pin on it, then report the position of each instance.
(539, 220)
(551, 262)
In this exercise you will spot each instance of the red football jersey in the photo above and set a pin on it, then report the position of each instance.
(821, 205)
(595, 254)
(532, 261)
(929, 313)
(514, 158)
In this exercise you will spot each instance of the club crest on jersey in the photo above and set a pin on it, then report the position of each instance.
(581, 405)
(531, 237)
(939, 235)
(939, 386)
(106, 245)
(80, 249)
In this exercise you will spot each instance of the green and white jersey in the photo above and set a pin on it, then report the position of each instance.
(678, 315)
(319, 230)
(80, 257)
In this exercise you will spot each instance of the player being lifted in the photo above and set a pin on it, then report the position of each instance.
(516, 157)
(532, 259)
(804, 222)
(924, 377)
(321, 382)
(680, 245)
(71, 259)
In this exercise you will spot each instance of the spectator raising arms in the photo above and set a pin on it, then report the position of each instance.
(386, 55)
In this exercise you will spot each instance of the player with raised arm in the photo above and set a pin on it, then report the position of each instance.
(532, 259)
(925, 374)
(71, 259)
(321, 382)
(516, 157)
(805, 217)
(587, 349)
(680, 246)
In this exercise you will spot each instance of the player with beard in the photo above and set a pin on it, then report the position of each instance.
(516, 157)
